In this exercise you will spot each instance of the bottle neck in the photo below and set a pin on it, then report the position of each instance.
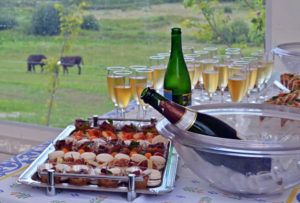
(176, 44)
(172, 111)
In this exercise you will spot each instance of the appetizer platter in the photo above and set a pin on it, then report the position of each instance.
(102, 154)
(292, 98)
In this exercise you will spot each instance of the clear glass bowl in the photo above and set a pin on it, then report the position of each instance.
(265, 161)
(289, 53)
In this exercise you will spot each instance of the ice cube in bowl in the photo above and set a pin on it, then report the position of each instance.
(265, 161)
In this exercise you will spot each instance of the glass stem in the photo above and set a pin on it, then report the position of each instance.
(210, 96)
(117, 111)
(138, 112)
(144, 112)
(201, 92)
(248, 95)
(258, 94)
(222, 95)
(123, 113)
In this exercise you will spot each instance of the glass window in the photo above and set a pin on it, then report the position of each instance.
(113, 33)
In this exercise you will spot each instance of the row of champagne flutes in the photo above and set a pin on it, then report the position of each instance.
(208, 71)
(242, 76)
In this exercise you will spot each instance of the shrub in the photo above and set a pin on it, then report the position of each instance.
(227, 9)
(7, 22)
(90, 23)
(45, 21)
(235, 32)
(240, 31)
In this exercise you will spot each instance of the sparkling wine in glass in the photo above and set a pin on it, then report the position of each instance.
(222, 68)
(269, 62)
(199, 67)
(193, 63)
(159, 70)
(141, 78)
(111, 81)
(133, 80)
(236, 86)
(252, 73)
(123, 91)
(139, 90)
(190, 63)
(238, 80)
(141, 86)
(210, 80)
(261, 74)
(208, 65)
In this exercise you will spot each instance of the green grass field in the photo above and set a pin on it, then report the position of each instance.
(125, 38)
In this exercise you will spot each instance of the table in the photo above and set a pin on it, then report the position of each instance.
(188, 187)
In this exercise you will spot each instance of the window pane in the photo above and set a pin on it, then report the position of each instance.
(115, 32)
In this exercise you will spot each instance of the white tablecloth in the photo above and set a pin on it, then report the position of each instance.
(188, 188)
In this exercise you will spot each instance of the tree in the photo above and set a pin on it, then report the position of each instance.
(45, 21)
(70, 17)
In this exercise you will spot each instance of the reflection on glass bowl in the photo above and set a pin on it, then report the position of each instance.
(289, 53)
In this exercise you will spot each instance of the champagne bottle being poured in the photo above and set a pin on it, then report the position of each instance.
(187, 119)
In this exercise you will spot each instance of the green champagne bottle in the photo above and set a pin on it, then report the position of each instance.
(177, 83)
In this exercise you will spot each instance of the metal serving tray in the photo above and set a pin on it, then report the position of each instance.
(30, 175)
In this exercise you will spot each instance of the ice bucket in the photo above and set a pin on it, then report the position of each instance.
(265, 161)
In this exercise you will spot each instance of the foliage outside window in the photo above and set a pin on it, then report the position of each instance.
(221, 28)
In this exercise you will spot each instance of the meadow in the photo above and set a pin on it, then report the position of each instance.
(126, 37)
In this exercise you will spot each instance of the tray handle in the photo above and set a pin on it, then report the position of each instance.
(50, 190)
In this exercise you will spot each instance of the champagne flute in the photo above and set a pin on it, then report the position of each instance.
(141, 86)
(194, 63)
(210, 79)
(208, 74)
(253, 73)
(199, 68)
(134, 79)
(237, 81)
(123, 91)
(222, 68)
(261, 72)
(191, 68)
(166, 56)
(159, 70)
(269, 61)
(111, 80)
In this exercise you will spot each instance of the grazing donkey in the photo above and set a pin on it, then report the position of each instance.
(34, 60)
(70, 61)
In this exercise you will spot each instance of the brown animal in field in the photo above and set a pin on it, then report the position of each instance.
(34, 60)
(70, 61)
